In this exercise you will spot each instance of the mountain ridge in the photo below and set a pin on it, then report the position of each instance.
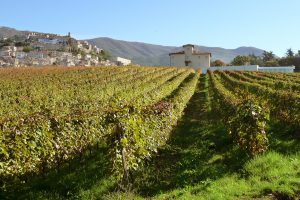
(153, 54)
(6, 32)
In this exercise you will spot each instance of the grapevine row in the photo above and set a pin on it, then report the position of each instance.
(284, 106)
(44, 139)
(243, 117)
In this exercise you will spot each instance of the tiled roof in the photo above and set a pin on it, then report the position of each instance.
(188, 45)
(180, 52)
(201, 53)
(194, 53)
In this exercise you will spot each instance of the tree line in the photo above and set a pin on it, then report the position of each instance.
(267, 59)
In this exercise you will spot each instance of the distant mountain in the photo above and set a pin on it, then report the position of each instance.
(149, 54)
(140, 53)
(6, 32)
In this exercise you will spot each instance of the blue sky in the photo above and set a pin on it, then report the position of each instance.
(268, 24)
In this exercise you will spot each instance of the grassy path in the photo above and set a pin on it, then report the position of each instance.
(201, 162)
(198, 151)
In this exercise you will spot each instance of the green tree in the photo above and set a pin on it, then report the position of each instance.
(218, 63)
(255, 60)
(22, 44)
(83, 54)
(104, 55)
(272, 63)
(290, 53)
(74, 49)
(63, 49)
(241, 60)
(27, 49)
(7, 42)
(288, 61)
(268, 56)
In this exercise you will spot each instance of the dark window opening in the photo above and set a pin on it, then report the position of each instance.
(187, 63)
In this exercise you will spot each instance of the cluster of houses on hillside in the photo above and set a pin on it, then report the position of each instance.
(51, 49)
(15, 56)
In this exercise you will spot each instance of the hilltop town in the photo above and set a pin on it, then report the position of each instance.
(40, 49)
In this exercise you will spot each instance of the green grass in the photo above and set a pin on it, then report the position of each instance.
(198, 162)
(88, 178)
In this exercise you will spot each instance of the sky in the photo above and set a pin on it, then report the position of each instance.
(272, 25)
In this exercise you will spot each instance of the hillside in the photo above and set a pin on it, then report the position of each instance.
(24, 48)
(6, 32)
(149, 54)
(140, 53)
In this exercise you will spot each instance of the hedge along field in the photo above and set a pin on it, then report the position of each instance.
(51, 115)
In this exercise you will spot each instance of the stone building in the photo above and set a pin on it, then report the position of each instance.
(122, 61)
(8, 51)
(190, 57)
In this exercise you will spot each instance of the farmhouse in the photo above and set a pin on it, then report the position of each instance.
(123, 61)
(190, 57)
(8, 51)
(20, 54)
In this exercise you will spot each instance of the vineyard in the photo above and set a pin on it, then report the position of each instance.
(158, 129)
